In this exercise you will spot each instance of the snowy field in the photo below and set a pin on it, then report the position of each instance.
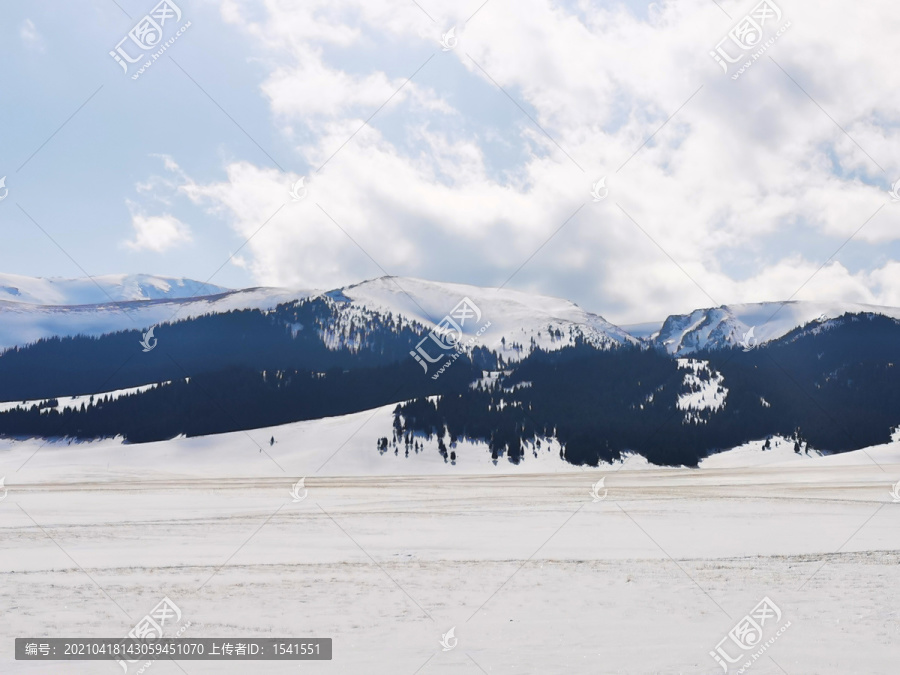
(385, 554)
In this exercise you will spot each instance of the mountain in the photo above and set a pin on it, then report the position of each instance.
(90, 349)
(829, 386)
(726, 326)
(100, 289)
(32, 309)
(139, 301)
(508, 371)
(519, 322)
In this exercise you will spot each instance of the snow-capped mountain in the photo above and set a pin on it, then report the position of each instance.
(374, 324)
(511, 323)
(750, 324)
(100, 289)
(514, 323)
(520, 371)
(22, 323)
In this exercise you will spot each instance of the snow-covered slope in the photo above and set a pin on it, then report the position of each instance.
(331, 446)
(781, 451)
(346, 446)
(508, 322)
(61, 404)
(730, 325)
(706, 394)
(22, 323)
(100, 289)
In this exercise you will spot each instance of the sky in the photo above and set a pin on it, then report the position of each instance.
(597, 151)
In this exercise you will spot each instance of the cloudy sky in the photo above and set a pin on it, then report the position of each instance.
(463, 160)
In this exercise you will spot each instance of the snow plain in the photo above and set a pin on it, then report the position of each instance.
(385, 553)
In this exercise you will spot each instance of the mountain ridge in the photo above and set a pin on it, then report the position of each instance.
(512, 370)
(61, 291)
(524, 320)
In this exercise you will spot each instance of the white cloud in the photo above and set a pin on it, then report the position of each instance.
(30, 36)
(156, 233)
(737, 167)
(288, 89)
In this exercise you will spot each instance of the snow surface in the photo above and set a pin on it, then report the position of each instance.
(534, 575)
(332, 446)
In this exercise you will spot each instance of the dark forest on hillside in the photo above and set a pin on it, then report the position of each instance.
(836, 388)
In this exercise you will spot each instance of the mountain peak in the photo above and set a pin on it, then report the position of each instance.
(518, 321)
(725, 326)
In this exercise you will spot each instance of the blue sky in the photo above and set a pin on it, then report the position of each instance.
(745, 188)
(77, 186)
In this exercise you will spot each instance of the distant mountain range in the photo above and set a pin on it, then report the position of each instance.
(35, 308)
(501, 366)
(100, 289)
